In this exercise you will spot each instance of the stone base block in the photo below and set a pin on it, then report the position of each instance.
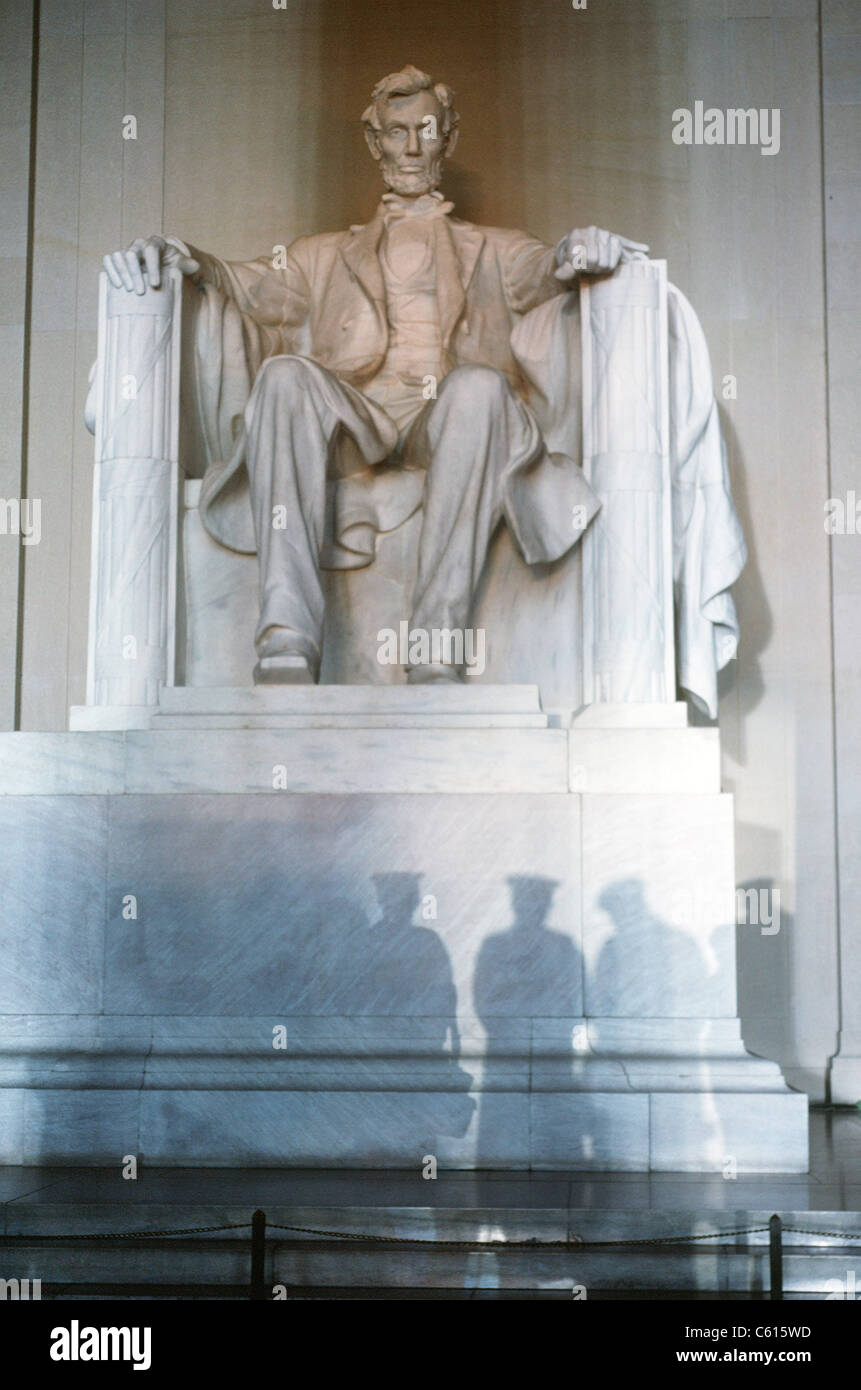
(846, 1080)
(410, 941)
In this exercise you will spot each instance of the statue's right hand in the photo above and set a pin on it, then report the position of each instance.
(125, 268)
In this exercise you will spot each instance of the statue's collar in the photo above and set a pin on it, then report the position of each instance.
(393, 206)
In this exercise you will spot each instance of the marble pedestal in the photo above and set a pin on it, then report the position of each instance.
(365, 925)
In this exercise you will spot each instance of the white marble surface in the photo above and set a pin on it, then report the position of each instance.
(347, 760)
(846, 1071)
(52, 920)
(12, 1148)
(443, 699)
(304, 882)
(417, 759)
(42, 764)
(376, 928)
(670, 714)
(658, 880)
(69, 1126)
(590, 1131)
(623, 760)
(441, 705)
(133, 410)
(375, 739)
(350, 1128)
(332, 1051)
(375, 1128)
(699, 1133)
(628, 638)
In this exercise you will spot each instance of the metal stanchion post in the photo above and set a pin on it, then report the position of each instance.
(775, 1256)
(258, 1255)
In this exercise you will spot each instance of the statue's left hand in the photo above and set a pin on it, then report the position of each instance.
(591, 251)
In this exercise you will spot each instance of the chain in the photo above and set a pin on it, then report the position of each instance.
(129, 1235)
(529, 1244)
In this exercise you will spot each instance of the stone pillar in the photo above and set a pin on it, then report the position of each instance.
(135, 416)
(841, 113)
(628, 648)
(17, 24)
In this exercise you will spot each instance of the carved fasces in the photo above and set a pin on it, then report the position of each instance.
(628, 648)
(134, 408)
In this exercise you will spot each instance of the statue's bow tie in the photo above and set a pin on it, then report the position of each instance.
(393, 207)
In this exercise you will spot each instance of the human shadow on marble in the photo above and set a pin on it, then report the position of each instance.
(650, 969)
(257, 923)
(401, 970)
(528, 986)
(397, 973)
(646, 968)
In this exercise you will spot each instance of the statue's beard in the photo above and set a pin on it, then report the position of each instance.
(414, 183)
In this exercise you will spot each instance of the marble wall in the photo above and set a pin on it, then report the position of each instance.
(247, 137)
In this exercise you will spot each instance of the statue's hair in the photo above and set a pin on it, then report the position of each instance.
(405, 84)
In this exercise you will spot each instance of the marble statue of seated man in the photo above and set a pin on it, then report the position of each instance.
(357, 376)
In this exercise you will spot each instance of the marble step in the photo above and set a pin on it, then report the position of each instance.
(439, 705)
(455, 751)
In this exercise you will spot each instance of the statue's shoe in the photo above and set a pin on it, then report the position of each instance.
(288, 668)
(285, 657)
(432, 671)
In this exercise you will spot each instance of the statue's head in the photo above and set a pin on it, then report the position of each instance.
(410, 127)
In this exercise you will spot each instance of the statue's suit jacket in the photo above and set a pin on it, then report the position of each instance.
(328, 299)
(324, 299)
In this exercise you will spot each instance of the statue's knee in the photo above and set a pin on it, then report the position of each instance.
(284, 374)
(475, 386)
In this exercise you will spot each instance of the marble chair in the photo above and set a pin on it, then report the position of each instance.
(170, 606)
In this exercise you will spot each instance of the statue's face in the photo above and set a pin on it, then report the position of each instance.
(411, 145)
